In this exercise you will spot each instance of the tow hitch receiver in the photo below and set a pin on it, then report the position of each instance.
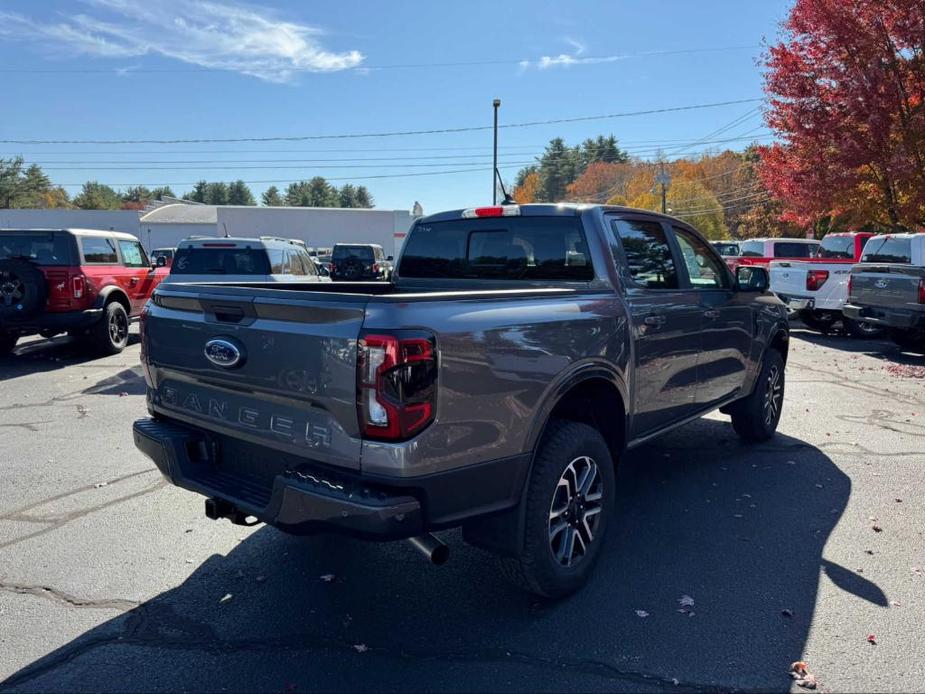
(219, 508)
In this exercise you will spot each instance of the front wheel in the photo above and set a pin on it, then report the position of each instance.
(756, 417)
(7, 343)
(569, 501)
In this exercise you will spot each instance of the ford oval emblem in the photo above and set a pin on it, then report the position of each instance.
(881, 284)
(224, 353)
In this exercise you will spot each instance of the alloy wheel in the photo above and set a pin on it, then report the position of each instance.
(574, 514)
(118, 327)
(773, 396)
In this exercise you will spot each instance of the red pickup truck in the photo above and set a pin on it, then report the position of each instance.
(762, 251)
(85, 282)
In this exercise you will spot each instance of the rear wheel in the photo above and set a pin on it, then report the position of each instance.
(861, 329)
(755, 418)
(909, 340)
(109, 335)
(820, 321)
(7, 343)
(568, 506)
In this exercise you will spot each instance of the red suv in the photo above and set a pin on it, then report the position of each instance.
(85, 282)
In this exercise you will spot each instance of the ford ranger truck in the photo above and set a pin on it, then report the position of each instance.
(887, 288)
(492, 385)
(816, 290)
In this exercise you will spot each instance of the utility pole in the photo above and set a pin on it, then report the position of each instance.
(663, 178)
(494, 167)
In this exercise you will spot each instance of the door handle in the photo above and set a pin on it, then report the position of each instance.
(655, 321)
(711, 313)
(133, 281)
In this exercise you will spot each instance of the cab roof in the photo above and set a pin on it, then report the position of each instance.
(560, 209)
(80, 232)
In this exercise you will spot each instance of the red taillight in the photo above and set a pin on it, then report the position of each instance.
(77, 285)
(922, 291)
(815, 279)
(375, 267)
(850, 284)
(396, 379)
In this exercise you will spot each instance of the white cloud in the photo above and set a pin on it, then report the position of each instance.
(576, 57)
(205, 33)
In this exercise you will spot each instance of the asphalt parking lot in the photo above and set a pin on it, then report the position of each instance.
(799, 549)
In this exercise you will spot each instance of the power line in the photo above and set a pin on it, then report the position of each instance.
(435, 131)
(389, 66)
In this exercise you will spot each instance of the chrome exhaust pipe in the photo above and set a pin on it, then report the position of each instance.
(435, 550)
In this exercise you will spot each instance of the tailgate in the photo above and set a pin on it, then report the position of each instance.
(788, 278)
(887, 286)
(263, 369)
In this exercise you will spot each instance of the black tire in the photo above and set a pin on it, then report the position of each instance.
(109, 335)
(561, 462)
(861, 329)
(820, 321)
(23, 289)
(909, 340)
(755, 418)
(7, 343)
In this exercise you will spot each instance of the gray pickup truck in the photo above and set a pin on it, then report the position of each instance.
(492, 385)
(887, 288)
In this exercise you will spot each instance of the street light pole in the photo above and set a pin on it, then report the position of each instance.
(494, 166)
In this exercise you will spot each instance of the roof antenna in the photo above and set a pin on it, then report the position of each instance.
(225, 227)
(508, 200)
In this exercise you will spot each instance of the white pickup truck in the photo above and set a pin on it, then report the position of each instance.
(817, 290)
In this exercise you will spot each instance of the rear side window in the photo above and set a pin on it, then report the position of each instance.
(726, 249)
(220, 261)
(752, 249)
(98, 249)
(784, 249)
(836, 248)
(41, 248)
(503, 248)
(887, 249)
(648, 256)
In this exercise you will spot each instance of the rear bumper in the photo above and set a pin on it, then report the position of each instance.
(70, 320)
(889, 317)
(306, 498)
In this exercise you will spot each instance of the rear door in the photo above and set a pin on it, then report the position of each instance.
(100, 262)
(726, 320)
(666, 319)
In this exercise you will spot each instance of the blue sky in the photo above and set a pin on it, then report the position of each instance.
(197, 69)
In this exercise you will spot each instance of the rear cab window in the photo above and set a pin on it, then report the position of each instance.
(888, 249)
(218, 260)
(498, 248)
(41, 248)
(789, 249)
(836, 248)
(752, 249)
(98, 250)
(361, 252)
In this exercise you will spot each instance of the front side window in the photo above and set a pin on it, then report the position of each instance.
(98, 249)
(752, 249)
(133, 255)
(705, 270)
(649, 262)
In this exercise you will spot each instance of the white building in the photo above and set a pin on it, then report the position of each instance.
(165, 225)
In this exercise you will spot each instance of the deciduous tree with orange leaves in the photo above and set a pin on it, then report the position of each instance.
(846, 87)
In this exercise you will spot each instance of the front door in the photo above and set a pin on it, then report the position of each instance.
(665, 318)
(140, 279)
(727, 320)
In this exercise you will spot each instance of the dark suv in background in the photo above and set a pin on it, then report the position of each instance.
(355, 262)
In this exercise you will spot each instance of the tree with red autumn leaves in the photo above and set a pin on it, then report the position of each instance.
(846, 88)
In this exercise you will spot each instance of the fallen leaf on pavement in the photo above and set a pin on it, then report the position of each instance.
(876, 528)
(101, 484)
(896, 603)
(871, 639)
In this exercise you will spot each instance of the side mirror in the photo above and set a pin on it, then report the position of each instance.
(751, 278)
(391, 257)
(161, 261)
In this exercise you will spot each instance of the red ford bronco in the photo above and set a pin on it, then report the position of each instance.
(85, 282)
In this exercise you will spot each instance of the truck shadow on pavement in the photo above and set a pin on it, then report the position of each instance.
(738, 531)
(44, 355)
